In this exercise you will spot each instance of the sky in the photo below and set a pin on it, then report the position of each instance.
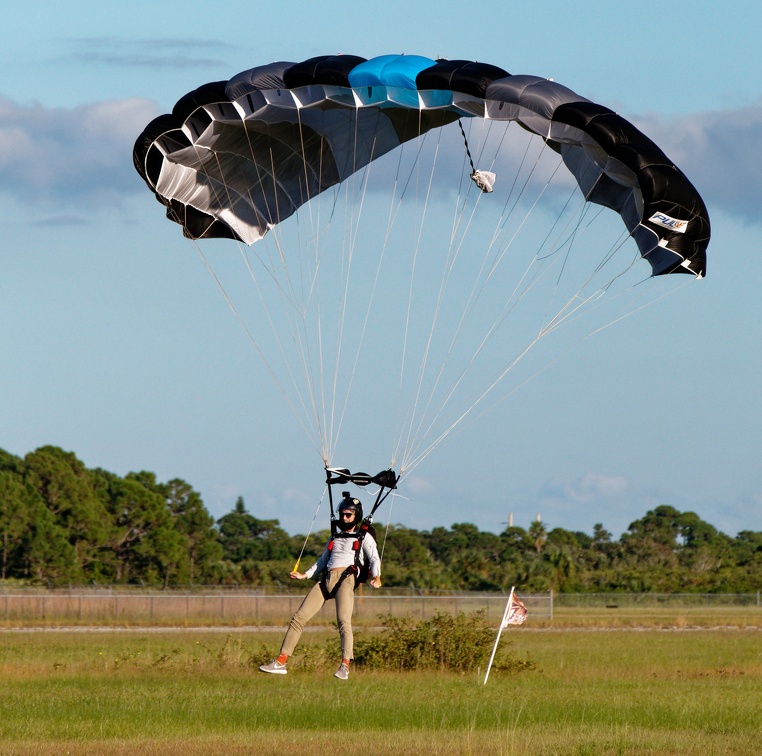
(116, 346)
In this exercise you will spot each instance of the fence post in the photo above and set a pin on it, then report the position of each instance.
(551, 605)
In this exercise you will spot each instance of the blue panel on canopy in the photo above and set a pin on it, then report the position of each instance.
(390, 71)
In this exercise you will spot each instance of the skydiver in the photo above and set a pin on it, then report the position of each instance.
(336, 569)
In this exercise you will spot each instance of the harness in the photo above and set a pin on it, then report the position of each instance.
(387, 482)
(360, 572)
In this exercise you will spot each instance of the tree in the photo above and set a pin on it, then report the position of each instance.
(66, 488)
(196, 526)
(538, 534)
(16, 511)
(747, 547)
(163, 549)
(704, 549)
(407, 560)
(601, 536)
(235, 530)
(561, 558)
(48, 555)
(653, 539)
(9, 462)
(244, 537)
(60, 522)
(560, 537)
(135, 513)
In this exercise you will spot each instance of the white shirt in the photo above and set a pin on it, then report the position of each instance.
(342, 555)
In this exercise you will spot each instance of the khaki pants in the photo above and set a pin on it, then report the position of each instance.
(313, 603)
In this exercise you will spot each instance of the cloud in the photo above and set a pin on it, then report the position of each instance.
(719, 152)
(62, 220)
(578, 503)
(591, 487)
(156, 53)
(70, 156)
(416, 485)
(732, 516)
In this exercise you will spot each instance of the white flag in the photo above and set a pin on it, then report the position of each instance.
(516, 614)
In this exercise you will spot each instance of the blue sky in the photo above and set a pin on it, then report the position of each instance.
(115, 345)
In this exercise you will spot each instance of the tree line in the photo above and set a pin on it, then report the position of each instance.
(62, 523)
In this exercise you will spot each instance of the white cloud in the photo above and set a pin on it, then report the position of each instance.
(720, 153)
(732, 516)
(591, 487)
(578, 503)
(71, 156)
(190, 53)
(417, 485)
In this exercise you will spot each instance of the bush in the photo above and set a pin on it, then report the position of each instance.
(461, 643)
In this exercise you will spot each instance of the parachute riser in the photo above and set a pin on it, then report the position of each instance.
(386, 480)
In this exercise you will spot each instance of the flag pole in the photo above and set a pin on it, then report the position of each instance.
(499, 632)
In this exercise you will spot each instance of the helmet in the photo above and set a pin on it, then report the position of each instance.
(348, 504)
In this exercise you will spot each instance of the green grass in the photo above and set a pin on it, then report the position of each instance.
(670, 616)
(197, 692)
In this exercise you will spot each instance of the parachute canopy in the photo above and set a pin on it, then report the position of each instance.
(236, 158)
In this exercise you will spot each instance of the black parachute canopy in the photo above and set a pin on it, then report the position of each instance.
(238, 157)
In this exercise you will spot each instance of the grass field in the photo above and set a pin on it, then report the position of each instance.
(655, 617)
(198, 692)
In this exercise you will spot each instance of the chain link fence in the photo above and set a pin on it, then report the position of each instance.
(238, 607)
(113, 606)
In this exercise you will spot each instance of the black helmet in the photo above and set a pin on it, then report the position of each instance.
(348, 504)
